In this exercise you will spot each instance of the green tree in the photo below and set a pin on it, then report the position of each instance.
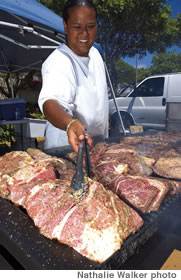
(143, 73)
(165, 62)
(178, 31)
(126, 73)
(129, 27)
(54, 5)
(137, 27)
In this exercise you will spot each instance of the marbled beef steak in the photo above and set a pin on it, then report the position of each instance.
(159, 137)
(124, 154)
(119, 163)
(59, 164)
(98, 225)
(19, 167)
(48, 202)
(169, 167)
(13, 161)
(95, 225)
(136, 191)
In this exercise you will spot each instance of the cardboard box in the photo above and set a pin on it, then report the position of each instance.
(12, 109)
(136, 129)
(173, 262)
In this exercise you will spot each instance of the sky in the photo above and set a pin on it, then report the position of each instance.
(146, 61)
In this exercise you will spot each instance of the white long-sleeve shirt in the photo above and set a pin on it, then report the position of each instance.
(80, 87)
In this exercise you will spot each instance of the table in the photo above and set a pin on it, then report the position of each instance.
(12, 123)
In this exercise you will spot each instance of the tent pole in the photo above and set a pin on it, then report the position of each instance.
(11, 84)
(115, 101)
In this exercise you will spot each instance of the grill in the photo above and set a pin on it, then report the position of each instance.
(31, 250)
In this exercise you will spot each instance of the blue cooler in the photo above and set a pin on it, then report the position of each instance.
(12, 109)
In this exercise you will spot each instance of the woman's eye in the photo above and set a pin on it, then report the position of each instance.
(91, 26)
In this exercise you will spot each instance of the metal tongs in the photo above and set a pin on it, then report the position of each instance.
(79, 182)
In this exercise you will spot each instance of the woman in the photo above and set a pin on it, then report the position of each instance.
(74, 92)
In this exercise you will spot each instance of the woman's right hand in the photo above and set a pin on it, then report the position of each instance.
(56, 114)
(76, 133)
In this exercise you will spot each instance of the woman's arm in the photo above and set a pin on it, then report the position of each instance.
(57, 116)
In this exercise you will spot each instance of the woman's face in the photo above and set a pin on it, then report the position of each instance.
(81, 29)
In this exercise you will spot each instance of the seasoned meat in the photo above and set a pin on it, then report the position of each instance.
(135, 190)
(126, 155)
(26, 174)
(169, 167)
(163, 188)
(97, 226)
(4, 192)
(104, 169)
(32, 172)
(174, 188)
(58, 163)
(98, 150)
(13, 161)
(159, 137)
(47, 203)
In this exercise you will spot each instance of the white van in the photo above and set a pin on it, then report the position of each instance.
(146, 104)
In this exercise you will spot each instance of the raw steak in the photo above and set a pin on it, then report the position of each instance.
(136, 165)
(28, 173)
(163, 188)
(98, 150)
(168, 136)
(120, 148)
(126, 155)
(174, 188)
(159, 138)
(125, 152)
(4, 192)
(18, 192)
(13, 161)
(152, 150)
(105, 152)
(47, 203)
(135, 190)
(104, 169)
(58, 163)
(97, 226)
(32, 172)
(169, 167)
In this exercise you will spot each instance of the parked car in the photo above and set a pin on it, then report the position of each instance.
(146, 104)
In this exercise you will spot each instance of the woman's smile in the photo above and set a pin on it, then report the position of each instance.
(81, 29)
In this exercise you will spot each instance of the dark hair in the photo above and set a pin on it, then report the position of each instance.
(76, 3)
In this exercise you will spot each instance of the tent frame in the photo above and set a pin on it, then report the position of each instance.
(31, 26)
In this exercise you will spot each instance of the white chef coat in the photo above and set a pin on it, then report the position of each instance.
(80, 87)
